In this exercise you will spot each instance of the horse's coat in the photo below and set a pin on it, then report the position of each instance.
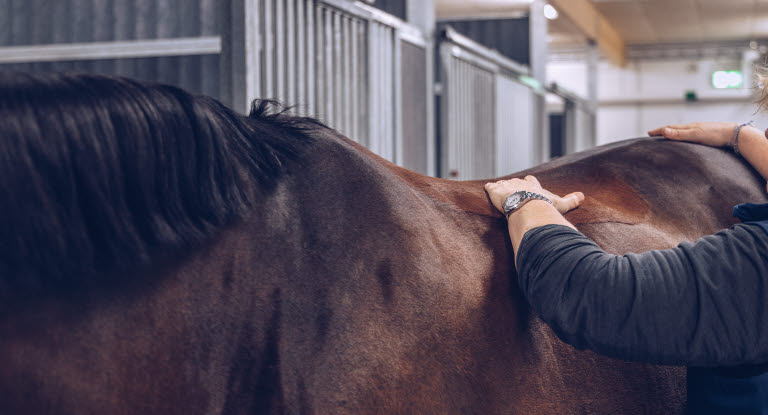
(356, 286)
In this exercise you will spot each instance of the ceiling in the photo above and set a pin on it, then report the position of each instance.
(664, 21)
(640, 21)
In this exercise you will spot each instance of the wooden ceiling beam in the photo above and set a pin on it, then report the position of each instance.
(595, 27)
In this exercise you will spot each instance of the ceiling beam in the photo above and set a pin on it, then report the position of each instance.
(595, 27)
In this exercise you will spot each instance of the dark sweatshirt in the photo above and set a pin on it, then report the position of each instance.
(700, 304)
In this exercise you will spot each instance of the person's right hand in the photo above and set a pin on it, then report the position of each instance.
(715, 134)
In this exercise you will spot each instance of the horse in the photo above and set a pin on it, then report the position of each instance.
(163, 254)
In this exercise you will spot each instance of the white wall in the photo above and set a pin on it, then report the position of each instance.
(648, 94)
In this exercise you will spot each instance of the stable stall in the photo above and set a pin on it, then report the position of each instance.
(339, 60)
(486, 111)
(575, 119)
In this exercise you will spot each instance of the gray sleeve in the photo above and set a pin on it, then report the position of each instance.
(700, 304)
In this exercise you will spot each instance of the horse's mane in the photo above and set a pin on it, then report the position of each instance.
(100, 174)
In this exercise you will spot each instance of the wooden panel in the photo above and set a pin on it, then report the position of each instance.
(595, 26)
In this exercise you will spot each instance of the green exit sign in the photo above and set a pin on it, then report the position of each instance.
(727, 79)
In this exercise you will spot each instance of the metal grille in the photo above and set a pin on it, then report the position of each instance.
(416, 101)
(36, 22)
(86, 21)
(485, 116)
(333, 64)
(469, 148)
(514, 126)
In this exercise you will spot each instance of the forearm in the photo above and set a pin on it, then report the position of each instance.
(679, 306)
(533, 214)
(753, 146)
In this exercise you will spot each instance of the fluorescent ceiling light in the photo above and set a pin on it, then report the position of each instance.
(550, 12)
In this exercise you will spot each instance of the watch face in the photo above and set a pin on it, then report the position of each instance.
(513, 200)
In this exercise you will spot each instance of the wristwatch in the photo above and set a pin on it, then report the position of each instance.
(516, 200)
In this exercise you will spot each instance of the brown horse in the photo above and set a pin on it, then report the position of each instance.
(348, 285)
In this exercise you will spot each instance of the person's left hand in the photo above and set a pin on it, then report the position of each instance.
(499, 191)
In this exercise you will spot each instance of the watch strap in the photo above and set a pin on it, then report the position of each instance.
(526, 197)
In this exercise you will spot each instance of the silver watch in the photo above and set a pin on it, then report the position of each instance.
(516, 200)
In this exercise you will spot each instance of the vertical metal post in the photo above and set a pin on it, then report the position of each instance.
(355, 80)
(240, 53)
(570, 111)
(397, 97)
(301, 58)
(280, 51)
(311, 57)
(446, 111)
(269, 47)
(593, 60)
(539, 56)
(321, 89)
(290, 70)
(338, 73)
(327, 28)
(374, 139)
(346, 35)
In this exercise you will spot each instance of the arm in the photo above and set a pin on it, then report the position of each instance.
(697, 304)
(752, 142)
(534, 213)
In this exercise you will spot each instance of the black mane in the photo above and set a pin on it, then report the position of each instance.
(98, 174)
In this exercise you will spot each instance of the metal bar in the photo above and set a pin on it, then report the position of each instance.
(476, 60)
(388, 87)
(397, 98)
(329, 86)
(253, 45)
(407, 31)
(432, 151)
(465, 108)
(189, 25)
(280, 52)
(338, 67)
(165, 27)
(322, 87)
(374, 138)
(240, 60)
(211, 69)
(311, 57)
(347, 7)
(301, 55)
(363, 102)
(468, 106)
(122, 30)
(111, 50)
(348, 87)
(446, 110)
(290, 70)
(268, 84)
(473, 47)
(354, 81)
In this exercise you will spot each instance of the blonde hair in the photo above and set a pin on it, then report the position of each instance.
(761, 79)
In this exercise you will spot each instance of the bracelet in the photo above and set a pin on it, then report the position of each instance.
(734, 143)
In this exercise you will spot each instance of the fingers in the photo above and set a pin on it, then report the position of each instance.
(660, 131)
(569, 202)
(532, 180)
(680, 134)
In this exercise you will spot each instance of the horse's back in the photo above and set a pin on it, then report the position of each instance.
(405, 300)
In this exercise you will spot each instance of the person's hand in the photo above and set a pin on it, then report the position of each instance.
(715, 134)
(499, 191)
